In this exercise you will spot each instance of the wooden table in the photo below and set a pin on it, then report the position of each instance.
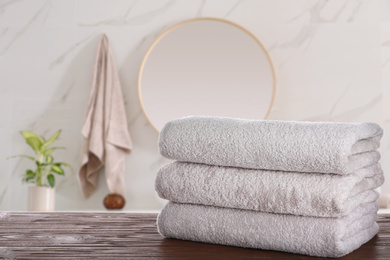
(63, 235)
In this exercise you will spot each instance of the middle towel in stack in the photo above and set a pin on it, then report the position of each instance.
(326, 172)
(315, 194)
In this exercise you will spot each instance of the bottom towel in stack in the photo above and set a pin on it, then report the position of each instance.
(323, 237)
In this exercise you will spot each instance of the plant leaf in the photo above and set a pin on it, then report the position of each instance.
(51, 180)
(39, 164)
(57, 169)
(50, 150)
(41, 139)
(29, 179)
(30, 172)
(29, 176)
(37, 139)
(22, 155)
(28, 134)
(50, 140)
(34, 143)
(65, 164)
(49, 159)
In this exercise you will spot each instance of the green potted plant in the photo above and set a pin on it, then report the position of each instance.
(41, 197)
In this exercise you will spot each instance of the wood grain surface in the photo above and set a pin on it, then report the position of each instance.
(62, 235)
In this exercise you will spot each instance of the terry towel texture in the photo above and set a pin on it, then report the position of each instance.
(323, 237)
(321, 195)
(300, 187)
(324, 147)
(107, 140)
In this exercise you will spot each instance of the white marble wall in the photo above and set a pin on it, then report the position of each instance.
(332, 60)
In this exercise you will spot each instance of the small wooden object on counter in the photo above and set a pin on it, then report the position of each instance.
(114, 201)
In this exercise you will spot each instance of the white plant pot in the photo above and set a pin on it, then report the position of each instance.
(41, 198)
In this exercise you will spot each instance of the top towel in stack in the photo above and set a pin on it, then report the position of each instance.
(320, 169)
(320, 147)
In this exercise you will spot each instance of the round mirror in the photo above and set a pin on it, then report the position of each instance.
(206, 66)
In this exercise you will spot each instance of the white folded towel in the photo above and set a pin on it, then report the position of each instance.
(325, 147)
(316, 194)
(323, 237)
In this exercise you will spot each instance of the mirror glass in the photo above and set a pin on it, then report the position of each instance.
(206, 66)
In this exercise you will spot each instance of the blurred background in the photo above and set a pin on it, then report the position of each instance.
(331, 60)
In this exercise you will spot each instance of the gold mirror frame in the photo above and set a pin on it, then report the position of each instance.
(192, 20)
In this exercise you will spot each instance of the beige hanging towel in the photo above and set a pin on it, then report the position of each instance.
(107, 140)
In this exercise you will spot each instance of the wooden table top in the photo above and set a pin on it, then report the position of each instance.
(62, 235)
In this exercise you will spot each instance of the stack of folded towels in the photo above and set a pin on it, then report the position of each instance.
(300, 187)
